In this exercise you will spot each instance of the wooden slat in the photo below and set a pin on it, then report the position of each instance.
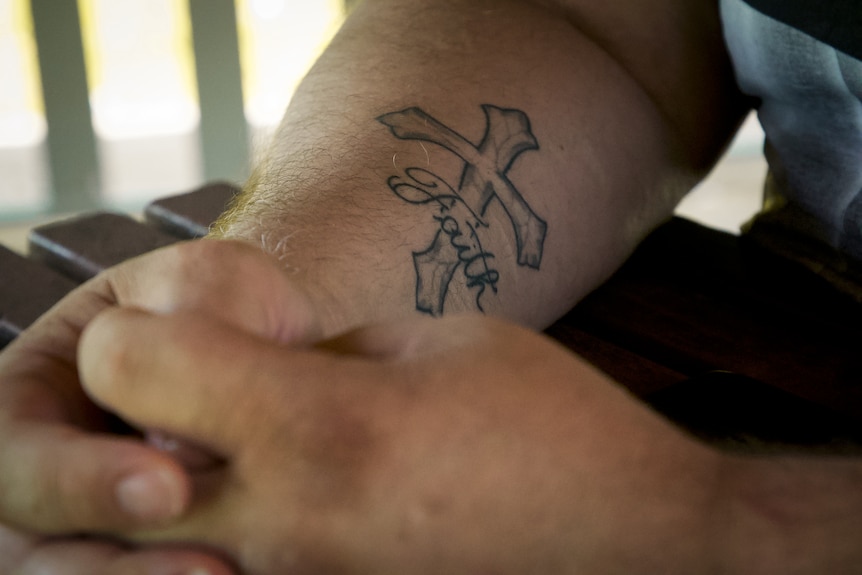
(741, 414)
(190, 215)
(27, 290)
(695, 300)
(81, 247)
(637, 373)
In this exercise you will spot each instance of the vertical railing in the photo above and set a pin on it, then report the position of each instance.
(72, 148)
(73, 161)
(223, 129)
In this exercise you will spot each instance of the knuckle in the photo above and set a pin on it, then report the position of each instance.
(193, 253)
(185, 262)
(339, 443)
(207, 253)
(111, 355)
(69, 504)
(40, 505)
(204, 267)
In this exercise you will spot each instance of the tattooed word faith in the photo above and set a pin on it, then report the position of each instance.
(461, 213)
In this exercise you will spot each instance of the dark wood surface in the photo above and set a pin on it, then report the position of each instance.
(191, 214)
(694, 300)
(83, 246)
(27, 290)
(68, 252)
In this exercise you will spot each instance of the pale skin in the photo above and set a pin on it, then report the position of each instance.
(460, 445)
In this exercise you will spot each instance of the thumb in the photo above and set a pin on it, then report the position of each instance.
(187, 375)
(232, 281)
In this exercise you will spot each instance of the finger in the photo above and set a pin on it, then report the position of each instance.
(47, 484)
(13, 547)
(38, 370)
(412, 337)
(184, 374)
(232, 281)
(58, 479)
(87, 557)
(228, 280)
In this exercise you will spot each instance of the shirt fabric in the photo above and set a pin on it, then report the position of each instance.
(802, 60)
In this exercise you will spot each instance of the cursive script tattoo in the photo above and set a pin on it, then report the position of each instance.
(460, 214)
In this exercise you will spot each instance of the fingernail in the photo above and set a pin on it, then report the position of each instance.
(151, 496)
(192, 571)
(174, 570)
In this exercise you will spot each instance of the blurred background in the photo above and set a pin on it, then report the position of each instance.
(107, 103)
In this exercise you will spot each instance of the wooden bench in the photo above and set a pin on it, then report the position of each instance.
(741, 348)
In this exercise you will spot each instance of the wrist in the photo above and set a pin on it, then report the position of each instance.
(333, 292)
(791, 515)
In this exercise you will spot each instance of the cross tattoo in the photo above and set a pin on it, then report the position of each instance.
(457, 243)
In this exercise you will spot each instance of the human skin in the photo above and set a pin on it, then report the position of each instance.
(629, 104)
(62, 462)
(455, 445)
(464, 445)
(405, 448)
(624, 124)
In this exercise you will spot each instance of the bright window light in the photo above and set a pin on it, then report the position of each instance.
(22, 119)
(279, 41)
(140, 67)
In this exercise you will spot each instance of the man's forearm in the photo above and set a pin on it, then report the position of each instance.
(475, 155)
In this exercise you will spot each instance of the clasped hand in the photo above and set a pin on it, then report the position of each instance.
(62, 471)
(463, 445)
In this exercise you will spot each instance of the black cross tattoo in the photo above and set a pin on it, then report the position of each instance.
(461, 212)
